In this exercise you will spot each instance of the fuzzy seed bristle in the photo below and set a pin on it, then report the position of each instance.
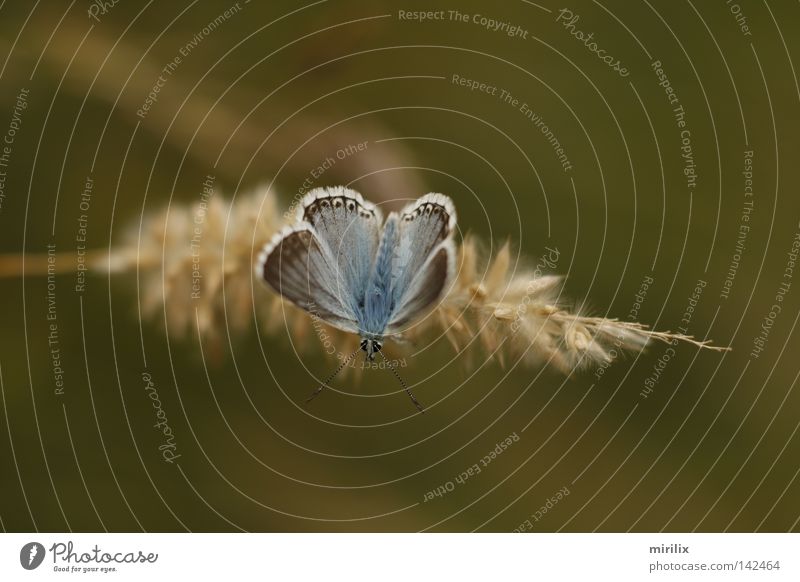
(205, 282)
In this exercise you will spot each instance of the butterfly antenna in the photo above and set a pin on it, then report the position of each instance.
(402, 383)
(316, 392)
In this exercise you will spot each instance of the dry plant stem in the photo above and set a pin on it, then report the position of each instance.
(490, 310)
(201, 120)
(522, 314)
(40, 264)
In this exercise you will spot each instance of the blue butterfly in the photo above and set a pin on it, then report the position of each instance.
(344, 264)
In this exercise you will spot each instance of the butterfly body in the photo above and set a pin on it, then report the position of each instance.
(379, 301)
(344, 264)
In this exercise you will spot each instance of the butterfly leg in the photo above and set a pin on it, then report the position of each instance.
(346, 361)
(402, 383)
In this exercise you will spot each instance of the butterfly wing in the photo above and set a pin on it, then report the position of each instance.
(350, 227)
(326, 264)
(299, 266)
(424, 261)
(323, 265)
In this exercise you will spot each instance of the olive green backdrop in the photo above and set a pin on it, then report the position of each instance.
(270, 91)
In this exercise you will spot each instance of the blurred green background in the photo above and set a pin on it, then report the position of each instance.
(265, 97)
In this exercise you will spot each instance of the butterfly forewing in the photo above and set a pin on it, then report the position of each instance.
(424, 259)
(425, 288)
(350, 227)
(299, 266)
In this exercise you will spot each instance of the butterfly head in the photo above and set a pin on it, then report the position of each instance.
(371, 346)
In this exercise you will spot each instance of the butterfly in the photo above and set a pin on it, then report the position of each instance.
(344, 264)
